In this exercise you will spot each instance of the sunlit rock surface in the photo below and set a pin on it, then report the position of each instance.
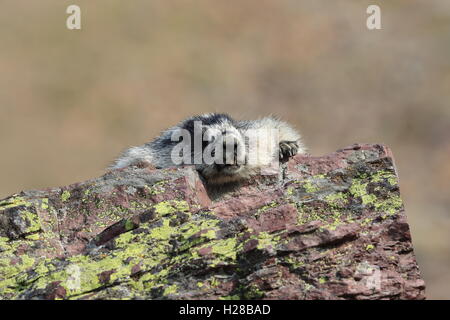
(331, 227)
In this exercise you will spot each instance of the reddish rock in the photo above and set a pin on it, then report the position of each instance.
(330, 227)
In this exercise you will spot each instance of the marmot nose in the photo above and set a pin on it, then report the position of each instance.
(230, 153)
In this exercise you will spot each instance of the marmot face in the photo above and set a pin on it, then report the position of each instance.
(224, 152)
(227, 155)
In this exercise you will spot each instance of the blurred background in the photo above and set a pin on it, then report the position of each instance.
(71, 101)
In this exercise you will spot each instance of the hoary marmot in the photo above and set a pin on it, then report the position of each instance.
(222, 149)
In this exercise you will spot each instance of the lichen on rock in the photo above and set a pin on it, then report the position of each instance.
(332, 227)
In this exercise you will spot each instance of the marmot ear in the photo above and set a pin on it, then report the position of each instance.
(180, 135)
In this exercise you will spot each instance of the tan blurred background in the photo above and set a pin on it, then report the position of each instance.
(70, 101)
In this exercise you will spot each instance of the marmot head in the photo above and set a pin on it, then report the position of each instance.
(222, 156)
(222, 149)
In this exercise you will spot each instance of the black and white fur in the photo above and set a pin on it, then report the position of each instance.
(158, 152)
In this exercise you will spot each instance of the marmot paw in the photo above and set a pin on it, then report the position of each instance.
(288, 149)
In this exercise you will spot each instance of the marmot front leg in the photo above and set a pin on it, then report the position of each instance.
(287, 149)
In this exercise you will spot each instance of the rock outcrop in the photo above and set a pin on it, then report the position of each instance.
(330, 227)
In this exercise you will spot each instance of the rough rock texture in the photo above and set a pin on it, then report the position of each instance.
(330, 227)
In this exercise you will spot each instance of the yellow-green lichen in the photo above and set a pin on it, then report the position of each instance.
(129, 225)
(337, 196)
(253, 292)
(44, 203)
(358, 188)
(171, 289)
(390, 205)
(336, 222)
(167, 207)
(266, 240)
(214, 282)
(366, 221)
(233, 297)
(223, 250)
(33, 236)
(14, 201)
(337, 200)
(294, 262)
(226, 248)
(150, 248)
(368, 199)
(273, 204)
(312, 184)
(156, 188)
(209, 226)
(163, 232)
(384, 175)
(32, 221)
(65, 196)
(310, 187)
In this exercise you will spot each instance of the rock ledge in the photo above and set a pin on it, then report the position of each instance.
(330, 227)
